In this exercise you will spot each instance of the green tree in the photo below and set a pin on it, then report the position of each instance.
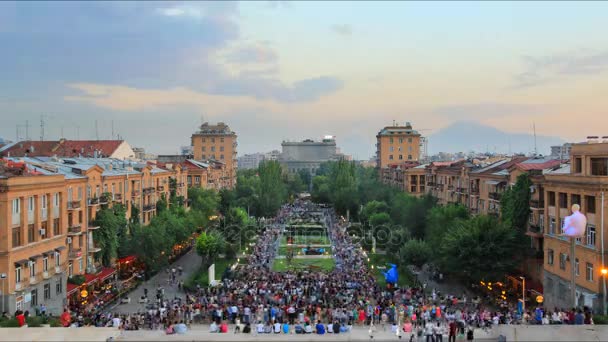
(151, 245)
(379, 219)
(410, 212)
(371, 208)
(161, 204)
(272, 192)
(515, 203)
(209, 245)
(204, 201)
(111, 221)
(480, 248)
(320, 189)
(440, 219)
(415, 252)
(294, 184)
(306, 178)
(343, 187)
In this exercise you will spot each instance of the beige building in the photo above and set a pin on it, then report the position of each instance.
(397, 144)
(217, 142)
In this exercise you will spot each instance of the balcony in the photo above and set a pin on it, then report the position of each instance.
(46, 275)
(535, 253)
(94, 249)
(430, 183)
(117, 197)
(73, 205)
(534, 230)
(149, 207)
(450, 187)
(135, 193)
(475, 191)
(537, 204)
(75, 229)
(495, 196)
(92, 226)
(33, 280)
(103, 199)
(19, 285)
(74, 253)
(148, 190)
(461, 190)
(93, 201)
(58, 269)
(160, 188)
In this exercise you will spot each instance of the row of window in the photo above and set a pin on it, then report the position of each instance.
(599, 166)
(392, 149)
(212, 149)
(212, 156)
(391, 157)
(31, 203)
(590, 232)
(562, 200)
(563, 258)
(32, 267)
(46, 294)
(213, 139)
(31, 233)
(409, 140)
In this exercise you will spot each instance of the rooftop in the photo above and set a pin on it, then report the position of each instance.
(62, 148)
(219, 129)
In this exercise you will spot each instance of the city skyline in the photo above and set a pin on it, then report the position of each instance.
(296, 70)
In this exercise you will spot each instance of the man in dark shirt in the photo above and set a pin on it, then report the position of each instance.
(452, 334)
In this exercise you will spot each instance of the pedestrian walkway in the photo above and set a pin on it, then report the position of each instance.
(190, 263)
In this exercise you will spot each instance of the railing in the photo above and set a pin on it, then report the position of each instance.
(148, 191)
(117, 197)
(474, 191)
(93, 248)
(19, 285)
(46, 275)
(535, 229)
(149, 207)
(450, 187)
(103, 200)
(135, 193)
(58, 269)
(537, 204)
(495, 196)
(75, 230)
(93, 201)
(73, 205)
(33, 280)
(75, 253)
(160, 188)
(459, 189)
(430, 183)
(92, 225)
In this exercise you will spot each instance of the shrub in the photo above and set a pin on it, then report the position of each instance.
(600, 319)
(54, 322)
(9, 323)
(34, 321)
(77, 279)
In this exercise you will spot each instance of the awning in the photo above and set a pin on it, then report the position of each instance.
(127, 259)
(34, 257)
(106, 273)
(60, 248)
(493, 182)
(47, 253)
(72, 288)
(21, 262)
(90, 278)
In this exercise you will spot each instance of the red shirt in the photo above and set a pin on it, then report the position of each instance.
(65, 319)
(21, 319)
(224, 328)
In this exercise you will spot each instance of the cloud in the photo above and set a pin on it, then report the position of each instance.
(259, 53)
(558, 67)
(279, 4)
(343, 30)
(180, 11)
(479, 111)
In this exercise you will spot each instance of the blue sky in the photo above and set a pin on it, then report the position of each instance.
(293, 70)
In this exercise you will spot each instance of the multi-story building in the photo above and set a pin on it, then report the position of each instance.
(308, 154)
(33, 229)
(217, 143)
(397, 144)
(251, 161)
(116, 149)
(584, 182)
(561, 151)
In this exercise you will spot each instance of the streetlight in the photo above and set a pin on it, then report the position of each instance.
(604, 273)
(3, 277)
(523, 295)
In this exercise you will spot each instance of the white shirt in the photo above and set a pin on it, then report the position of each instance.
(277, 327)
(260, 328)
(115, 322)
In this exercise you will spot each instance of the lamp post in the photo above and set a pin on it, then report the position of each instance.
(523, 295)
(3, 277)
(604, 272)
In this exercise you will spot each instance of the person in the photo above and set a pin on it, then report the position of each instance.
(277, 328)
(286, 327)
(337, 327)
(43, 309)
(428, 332)
(330, 328)
(438, 332)
(407, 329)
(169, 330)
(260, 327)
(247, 329)
(308, 328)
(66, 318)
(452, 331)
(213, 328)
(299, 328)
(320, 328)
(470, 334)
(116, 322)
(20, 316)
(180, 328)
(223, 327)
(237, 326)
(579, 319)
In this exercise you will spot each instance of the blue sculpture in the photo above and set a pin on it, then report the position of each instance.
(391, 276)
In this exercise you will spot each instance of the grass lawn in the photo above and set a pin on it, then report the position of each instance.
(201, 277)
(280, 265)
(406, 278)
(307, 240)
(283, 249)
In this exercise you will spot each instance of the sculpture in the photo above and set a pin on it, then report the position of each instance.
(575, 224)
(392, 275)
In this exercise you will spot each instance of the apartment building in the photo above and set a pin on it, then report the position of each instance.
(63, 148)
(397, 144)
(33, 226)
(584, 182)
(217, 143)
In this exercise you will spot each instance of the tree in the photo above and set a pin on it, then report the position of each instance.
(515, 203)
(415, 252)
(111, 221)
(320, 189)
(204, 201)
(151, 245)
(209, 245)
(440, 219)
(294, 184)
(371, 208)
(306, 178)
(410, 212)
(272, 192)
(161, 204)
(343, 187)
(480, 248)
(379, 219)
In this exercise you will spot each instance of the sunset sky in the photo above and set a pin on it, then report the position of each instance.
(294, 70)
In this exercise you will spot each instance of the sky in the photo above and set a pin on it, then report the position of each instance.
(291, 70)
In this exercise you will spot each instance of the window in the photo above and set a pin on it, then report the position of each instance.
(197, 179)
(204, 139)
(212, 148)
(56, 227)
(47, 291)
(409, 157)
(43, 202)
(45, 264)
(16, 206)
(31, 233)
(126, 186)
(30, 205)
(69, 194)
(17, 274)
(32, 269)
(56, 200)
(80, 265)
(409, 140)
(221, 156)
(551, 198)
(400, 141)
(221, 139)
(590, 201)
(589, 275)
(576, 199)
(34, 301)
(401, 157)
(79, 193)
(58, 286)
(541, 222)
(212, 140)
(577, 271)
(113, 190)
(204, 148)
(221, 148)
(391, 140)
(57, 259)
(70, 269)
(562, 261)
(590, 235)
(120, 188)
(550, 257)
(203, 156)
(390, 157)
(409, 149)
(563, 200)
(16, 237)
(599, 166)
(578, 165)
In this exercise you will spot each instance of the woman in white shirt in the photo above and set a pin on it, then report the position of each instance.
(277, 328)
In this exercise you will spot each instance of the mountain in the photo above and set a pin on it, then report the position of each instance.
(465, 136)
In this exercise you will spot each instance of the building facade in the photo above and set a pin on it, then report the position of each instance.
(307, 154)
(397, 144)
(251, 161)
(217, 143)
